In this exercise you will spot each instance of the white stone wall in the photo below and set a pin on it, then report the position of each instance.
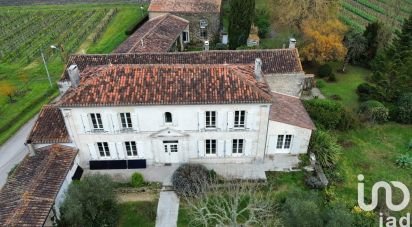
(300, 138)
(149, 132)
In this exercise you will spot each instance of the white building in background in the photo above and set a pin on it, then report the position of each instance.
(223, 107)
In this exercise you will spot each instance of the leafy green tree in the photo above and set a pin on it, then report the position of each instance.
(262, 21)
(240, 20)
(377, 36)
(90, 202)
(355, 43)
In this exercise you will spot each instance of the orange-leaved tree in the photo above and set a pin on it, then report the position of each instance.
(7, 89)
(323, 40)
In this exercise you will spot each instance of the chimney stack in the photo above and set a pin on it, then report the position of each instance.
(32, 152)
(258, 68)
(74, 75)
(292, 43)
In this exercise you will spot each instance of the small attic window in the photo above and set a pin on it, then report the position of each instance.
(168, 117)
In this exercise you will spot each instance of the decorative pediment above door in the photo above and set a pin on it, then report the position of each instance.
(168, 132)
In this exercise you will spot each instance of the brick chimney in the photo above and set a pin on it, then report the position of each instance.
(258, 68)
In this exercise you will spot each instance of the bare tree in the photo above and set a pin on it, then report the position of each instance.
(240, 203)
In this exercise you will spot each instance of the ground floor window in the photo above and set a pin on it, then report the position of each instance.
(210, 147)
(284, 141)
(103, 149)
(185, 36)
(131, 148)
(237, 146)
(171, 146)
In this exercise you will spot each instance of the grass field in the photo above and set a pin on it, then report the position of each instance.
(134, 214)
(91, 28)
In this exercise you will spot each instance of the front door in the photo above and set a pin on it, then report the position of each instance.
(171, 151)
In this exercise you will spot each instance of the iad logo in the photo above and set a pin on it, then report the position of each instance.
(388, 192)
(390, 221)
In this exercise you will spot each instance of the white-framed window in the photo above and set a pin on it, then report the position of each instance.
(203, 23)
(97, 122)
(210, 147)
(171, 146)
(168, 118)
(284, 141)
(103, 148)
(131, 148)
(185, 36)
(238, 146)
(210, 119)
(240, 116)
(126, 120)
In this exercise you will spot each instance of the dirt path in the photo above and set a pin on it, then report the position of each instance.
(137, 196)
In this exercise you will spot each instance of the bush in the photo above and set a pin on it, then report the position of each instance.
(337, 215)
(137, 180)
(367, 92)
(332, 77)
(314, 182)
(90, 202)
(262, 21)
(320, 83)
(325, 71)
(325, 147)
(373, 111)
(404, 161)
(403, 110)
(190, 179)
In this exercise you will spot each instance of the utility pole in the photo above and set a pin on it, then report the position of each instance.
(45, 66)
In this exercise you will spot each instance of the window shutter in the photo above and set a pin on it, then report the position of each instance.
(294, 148)
(120, 152)
(115, 122)
(85, 123)
(201, 147)
(135, 121)
(221, 120)
(248, 147)
(250, 119)
(230, 120)
(105, 123)
(228, 147)
(92, 151)
(112, 150)
(201, 121)
(271, 147)
(140, 149)
(220, 148)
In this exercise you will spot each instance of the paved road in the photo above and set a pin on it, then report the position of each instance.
(167, 209)
(13, 151)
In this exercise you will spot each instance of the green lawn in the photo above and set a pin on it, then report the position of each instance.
(32, 78)
(133, 214)
(346, 84)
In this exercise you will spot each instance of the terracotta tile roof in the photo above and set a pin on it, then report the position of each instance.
(185, 6)
(165, 84)
(29, 194)
(289, 110)
(157, 35)
(275, 61)
(49, 127)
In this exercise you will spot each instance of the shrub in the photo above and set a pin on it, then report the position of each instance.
(190, 179)
(313, 182)
(325, 71)
(262, 21)
(403, 110)
(325, 113)
(337, 215)
(137, 180)
(404, 161)
(332, 77)
(373, 111)
(348, 120)
(325, 147)
(367, 91)
(90, 202)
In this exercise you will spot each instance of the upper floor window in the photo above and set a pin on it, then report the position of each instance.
(210, 147)
(240, 116)
(203, 23)
(103, 149)
(126, 120)
(210, 119)
(96, 121)
(131, 148)
(284, 141)
(168, 117)
(237, 146)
